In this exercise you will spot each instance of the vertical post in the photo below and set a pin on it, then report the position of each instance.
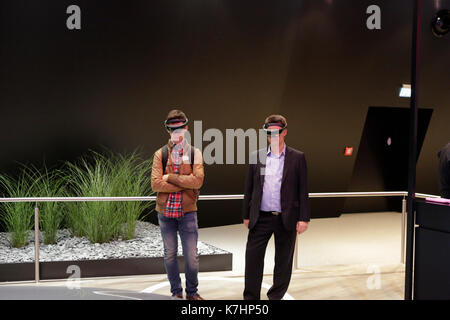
(403, 232)
(36, 243)
(296, 253)
(412, 150)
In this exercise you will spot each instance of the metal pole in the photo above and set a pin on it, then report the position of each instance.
(36, 244)
(412, 150)
(296, 253)
(403, 233)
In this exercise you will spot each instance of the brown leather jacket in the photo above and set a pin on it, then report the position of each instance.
(188, 181)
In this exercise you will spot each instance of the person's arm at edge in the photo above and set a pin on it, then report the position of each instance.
(304, 212)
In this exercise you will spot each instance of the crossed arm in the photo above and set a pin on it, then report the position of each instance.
(174, 182)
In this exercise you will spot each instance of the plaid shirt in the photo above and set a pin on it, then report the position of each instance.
(173, 205)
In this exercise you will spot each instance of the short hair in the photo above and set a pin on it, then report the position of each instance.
(176, 114)
(276, 118)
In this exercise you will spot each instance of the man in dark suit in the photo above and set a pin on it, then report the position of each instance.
(275, 202)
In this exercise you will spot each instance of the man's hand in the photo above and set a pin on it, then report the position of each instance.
(165, 177)
(246, 221)
(301, 226)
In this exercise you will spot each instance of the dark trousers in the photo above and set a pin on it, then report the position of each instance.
(258, 237)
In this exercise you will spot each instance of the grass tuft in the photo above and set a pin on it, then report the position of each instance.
(17, 217)
(107, 175)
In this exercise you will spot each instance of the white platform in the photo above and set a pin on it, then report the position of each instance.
(351, 239)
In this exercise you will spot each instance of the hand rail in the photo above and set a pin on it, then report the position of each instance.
(215, 197)
(218, 197)
(211, 197)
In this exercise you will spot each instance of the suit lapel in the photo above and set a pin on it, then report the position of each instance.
(285, 166)
(261, 166)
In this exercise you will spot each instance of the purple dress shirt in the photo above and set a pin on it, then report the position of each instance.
(271, 197)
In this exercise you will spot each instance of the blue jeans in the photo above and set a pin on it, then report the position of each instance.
(188, 229)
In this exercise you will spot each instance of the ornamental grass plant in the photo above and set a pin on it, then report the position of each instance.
(106, 175)
(96, 174)
(131, 177)
(17, 217)
(48, 184)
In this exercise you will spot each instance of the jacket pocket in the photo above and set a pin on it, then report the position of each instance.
(189, 196)
(161, 198)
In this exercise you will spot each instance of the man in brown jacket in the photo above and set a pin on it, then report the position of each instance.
(177, 175)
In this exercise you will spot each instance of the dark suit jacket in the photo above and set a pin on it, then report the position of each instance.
(294, 188)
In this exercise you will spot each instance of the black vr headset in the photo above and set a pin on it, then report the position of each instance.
(274, 132)
(169, 124)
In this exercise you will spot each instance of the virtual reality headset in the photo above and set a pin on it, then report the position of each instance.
(170, 124)
(274, 132)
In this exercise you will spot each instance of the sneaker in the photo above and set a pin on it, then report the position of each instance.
(195, 296)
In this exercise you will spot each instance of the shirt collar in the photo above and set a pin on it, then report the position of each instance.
(183, 145)
(282, 152)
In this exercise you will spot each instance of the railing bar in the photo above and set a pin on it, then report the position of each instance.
(216, 197)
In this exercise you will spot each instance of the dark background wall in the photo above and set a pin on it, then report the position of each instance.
(229, 63)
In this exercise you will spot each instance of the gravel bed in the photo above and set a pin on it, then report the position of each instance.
(147, 243)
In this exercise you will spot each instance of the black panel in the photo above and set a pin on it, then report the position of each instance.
(433, 216)
(432, 265)
(382, 159)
